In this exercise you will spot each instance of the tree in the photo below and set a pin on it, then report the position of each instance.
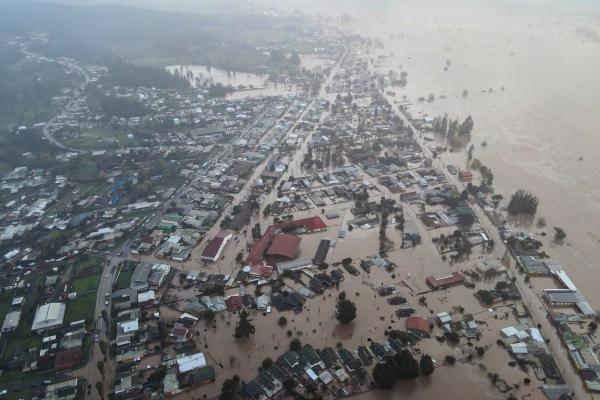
(230, 388)
(559, 234)
(426, 365)
(345, 311)
(450, 359)
(523, 202)
(295, 345)
(282, 321)
(244, 327)
(406, 365)
(267, 363)
(384, 376)
(466, 127)
(158, 375)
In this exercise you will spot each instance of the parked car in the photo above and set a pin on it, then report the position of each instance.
(386, 291)
(350, 268)
(396, 300)
(405, 312)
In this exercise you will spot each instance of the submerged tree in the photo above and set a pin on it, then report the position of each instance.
(426, 365)
(345, 311)
(295, 345)
(523, 202)
(244, 327)
(230, 388)
(466, 127)
(559, 234)
(384, 376)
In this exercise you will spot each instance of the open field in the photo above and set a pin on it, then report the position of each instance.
(81, 308)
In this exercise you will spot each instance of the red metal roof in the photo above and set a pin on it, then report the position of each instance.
(213, 247)
(260, 247)
(68, 358)
(418, 324)
(284, 245)
(233, 302)
(446, 280)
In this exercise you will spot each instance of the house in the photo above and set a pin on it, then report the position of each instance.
(146, 299)
(158, 274)
(65, 390)
(213, 250)
(284, 246)
(297, 264)
(233, 303)
(181, 333)
(445, 280)
(11, 321)
(48, 316)
(191, 362)
(311, 357)
(139, 278)
(291, 361)
(418, 326)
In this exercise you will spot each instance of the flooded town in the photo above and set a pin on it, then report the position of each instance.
(253, 201)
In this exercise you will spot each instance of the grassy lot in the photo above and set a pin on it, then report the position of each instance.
(100, 139)
(94, 188)
(86, 283)
(86, 286)
(124, 277)
(82, 307)
(91, 263)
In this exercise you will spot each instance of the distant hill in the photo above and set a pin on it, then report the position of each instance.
(96, 32)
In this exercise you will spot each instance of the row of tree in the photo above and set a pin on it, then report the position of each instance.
(402, 366)
(450, 127)
(523, 203)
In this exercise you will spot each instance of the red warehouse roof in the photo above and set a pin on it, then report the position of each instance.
(284, 245)
(418, 324)
(446, 280)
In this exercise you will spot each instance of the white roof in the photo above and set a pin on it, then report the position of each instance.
(146, 296)
(311, 374)
(519, 348)
(49, 315)
(522, 335)
(325, 377)
(11, 321)
(189, 363)
(509, 331)
(130, 326)
(536, 334)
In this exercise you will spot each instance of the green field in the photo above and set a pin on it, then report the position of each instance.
(82, 307)
(86, 283)
(89, 264)
(100, 139)
(124, 277)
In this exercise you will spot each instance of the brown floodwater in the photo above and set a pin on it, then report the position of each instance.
(533, 94)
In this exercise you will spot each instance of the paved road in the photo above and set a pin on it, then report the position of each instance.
(86, 79)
